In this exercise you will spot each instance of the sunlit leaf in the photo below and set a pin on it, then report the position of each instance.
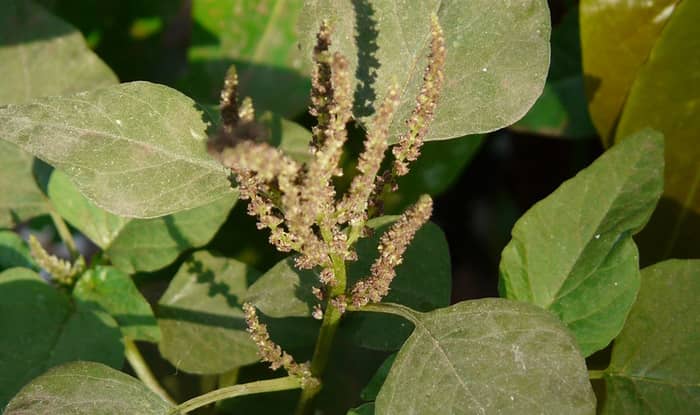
(138, 244)
(497, 57)
(135, 149)
(573, 253)
(87, 388)
(655, 364)
(486, 356)
(664, 96)
(616, 39)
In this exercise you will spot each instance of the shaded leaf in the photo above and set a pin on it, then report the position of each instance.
(87, 388)
(486, 356)
(135, 149)
(114, 292)
(423, 282)
(573, 253)
(41, 55)
(436, 170)
(42, 329)
(14, 252)
(138, 244)
(260, 39)
(21, 199)
(562, 109)
(497, 57)
(664, 96)
(364, 409)
(201, 321)
(370, 392)
(655, 364)
(616, 39)
(284, 291)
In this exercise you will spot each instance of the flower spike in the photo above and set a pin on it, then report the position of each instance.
(408, 148)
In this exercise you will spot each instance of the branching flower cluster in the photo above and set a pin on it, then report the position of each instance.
(298, 203)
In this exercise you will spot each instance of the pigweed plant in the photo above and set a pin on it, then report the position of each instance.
(300, 207)
(352, 303)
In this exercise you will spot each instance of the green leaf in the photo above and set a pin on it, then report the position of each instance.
(138, 244)
(260, 39)
(562, 109)
(655, 364)
(497, 57)
(22, 199)
(114, 292)
(364, 409)
(284, 291)
(370, 392)
(42, 329)
(616, 39)
(201, 321)
(289, 136)
(87, 388)
(573, 253)
(422, 281)
(436, 170)
(41, 55)
(14, 252)
(486, 356)
(664, 96)
(135, 149)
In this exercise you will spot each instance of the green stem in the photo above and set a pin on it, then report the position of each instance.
(261, 386)
(143, 372)
(596, 374)
(64, 233)
(390, 308)
(331, 319)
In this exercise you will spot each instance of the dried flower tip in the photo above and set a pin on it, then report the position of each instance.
(61, 270)
(317, 312)
(392, 245)
(355, 203)
(408, 148)
(246, 112)
(321, 86)
(271, 352)
(229, 101)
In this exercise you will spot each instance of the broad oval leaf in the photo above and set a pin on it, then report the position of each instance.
(664, 96)
(655, 364)
(497, 57)
(573, 253)
(135, 245)
(87, 388)
(616, 39)
(486, 356)
(41, 55)
(201, 321)
(114, 292)
(261, 40)
(41, 329)
(135, 149)
(14, 252)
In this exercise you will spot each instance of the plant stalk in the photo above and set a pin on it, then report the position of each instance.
(64, 233)
(324, 342)
(261, 386)
(596, 374)
(143, 372)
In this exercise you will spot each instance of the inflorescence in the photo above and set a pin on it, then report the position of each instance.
(298, 202)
